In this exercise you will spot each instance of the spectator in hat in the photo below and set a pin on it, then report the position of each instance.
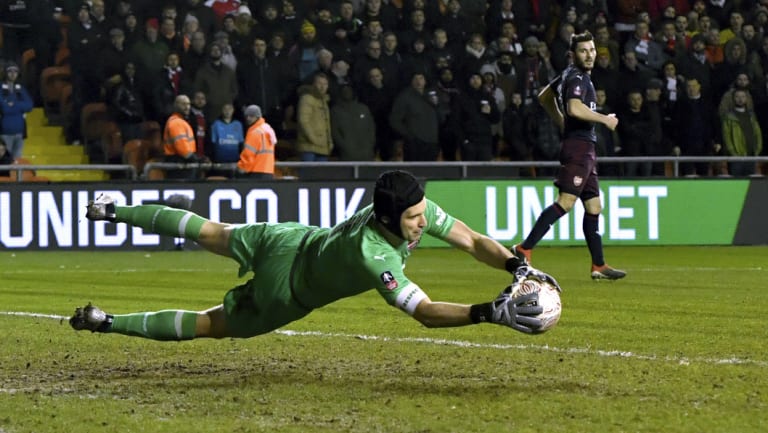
(605, 76)
(150, 52)
(304, 52)
(604, 39)
(15, 102)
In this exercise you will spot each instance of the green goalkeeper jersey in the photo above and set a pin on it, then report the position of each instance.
(353, 257)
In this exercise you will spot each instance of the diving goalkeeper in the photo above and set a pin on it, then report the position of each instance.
(298, 268)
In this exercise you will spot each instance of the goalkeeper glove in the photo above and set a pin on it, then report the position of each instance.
(529, 272)
(519, 313)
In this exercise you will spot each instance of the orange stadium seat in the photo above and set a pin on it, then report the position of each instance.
(62, 56)
(52, 80)
(94, 124)
(26, 175)
(136, 153)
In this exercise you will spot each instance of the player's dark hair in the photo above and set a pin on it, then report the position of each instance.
(395, 192)
(577, 38)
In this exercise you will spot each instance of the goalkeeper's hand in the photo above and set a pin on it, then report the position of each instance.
(518, 313)
(529, 272)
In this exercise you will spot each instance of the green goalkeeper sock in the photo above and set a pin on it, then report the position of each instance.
(163, 220)
(166, 325)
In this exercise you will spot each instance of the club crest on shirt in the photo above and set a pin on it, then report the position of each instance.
(389, 280)
(577, 91)
(577, 180)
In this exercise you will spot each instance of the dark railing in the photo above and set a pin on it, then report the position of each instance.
(338, 170)
(129, 170)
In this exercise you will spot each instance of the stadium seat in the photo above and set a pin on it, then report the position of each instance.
(65, 100)
(94, 124)
(62, 57)
(52, 80)
(153, 133)
(136, 153)
(112, 143)
(156, 173)
(26, 175)
(27, 61)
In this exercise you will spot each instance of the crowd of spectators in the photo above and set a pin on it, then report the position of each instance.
(418, 80)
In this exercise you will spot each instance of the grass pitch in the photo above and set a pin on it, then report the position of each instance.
(678, 346)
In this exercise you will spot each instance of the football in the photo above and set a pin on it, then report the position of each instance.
(549, 299)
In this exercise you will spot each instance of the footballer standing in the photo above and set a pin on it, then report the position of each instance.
(570, 100)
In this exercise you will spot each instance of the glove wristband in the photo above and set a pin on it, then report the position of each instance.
(512, 264)
(480, 312)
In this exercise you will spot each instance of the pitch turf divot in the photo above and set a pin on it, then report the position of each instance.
(471, 345)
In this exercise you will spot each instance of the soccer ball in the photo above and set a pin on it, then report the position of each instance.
(549, 299)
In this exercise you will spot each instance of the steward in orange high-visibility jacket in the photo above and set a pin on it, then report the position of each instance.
(178, 136)
(257, 160)
(179, 141)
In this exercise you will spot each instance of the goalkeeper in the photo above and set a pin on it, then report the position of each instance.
(298, 268)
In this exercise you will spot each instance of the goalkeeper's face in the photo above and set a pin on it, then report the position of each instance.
(413, 221)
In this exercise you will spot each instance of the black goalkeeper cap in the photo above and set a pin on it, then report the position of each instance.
(395, 192)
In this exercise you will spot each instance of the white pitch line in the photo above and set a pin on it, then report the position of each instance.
(102, 271)
(468, 344)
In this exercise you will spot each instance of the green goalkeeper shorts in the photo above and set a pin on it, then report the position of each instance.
(264, 303)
